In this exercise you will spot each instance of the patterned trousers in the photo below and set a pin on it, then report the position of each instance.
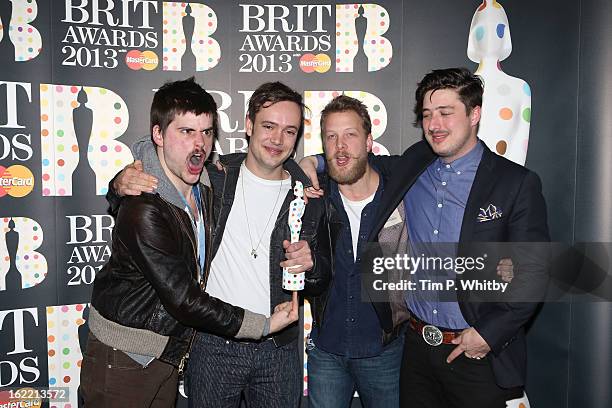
(220, 371)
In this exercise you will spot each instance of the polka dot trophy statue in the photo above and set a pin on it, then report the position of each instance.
(506, 102)
(295, 281)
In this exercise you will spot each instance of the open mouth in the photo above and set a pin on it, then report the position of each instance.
(342, 160)
(196, 162)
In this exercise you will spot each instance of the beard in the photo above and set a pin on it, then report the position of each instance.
(349, 174)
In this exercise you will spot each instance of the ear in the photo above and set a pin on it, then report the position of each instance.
(369, 142)
(475, 116)
(248, 126)
(157, 136)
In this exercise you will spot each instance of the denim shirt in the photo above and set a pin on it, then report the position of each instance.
(350, 327)
(435, 205)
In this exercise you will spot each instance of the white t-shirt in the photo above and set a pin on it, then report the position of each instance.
(353, 210)
(236, 276)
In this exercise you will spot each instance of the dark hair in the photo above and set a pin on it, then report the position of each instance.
(468, 86)
(343, 103)
(270, 93)
(179, 97)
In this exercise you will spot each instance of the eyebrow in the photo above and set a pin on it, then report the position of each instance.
(269, 122)
(441, 107)
(190, 128)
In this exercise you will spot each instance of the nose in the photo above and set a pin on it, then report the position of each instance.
(340, 143)
(276, 137)
(434, 122)
(199, 140)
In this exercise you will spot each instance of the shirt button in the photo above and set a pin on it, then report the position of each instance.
(444, 183)
(448, 166)
(458, 172)
(351, 297)
(439, 205)
(436, 232)
(435, 311)
(352, 319)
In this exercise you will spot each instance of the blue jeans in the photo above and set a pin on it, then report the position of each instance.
(333, 379)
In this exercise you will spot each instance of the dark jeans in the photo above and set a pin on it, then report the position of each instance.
(332, 379)
(428, 381)
(220, 370)
(109, 379)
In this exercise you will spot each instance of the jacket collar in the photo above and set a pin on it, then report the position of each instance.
(410, 166)
(484, 181)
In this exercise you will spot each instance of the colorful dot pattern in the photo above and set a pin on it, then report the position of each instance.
(317, 100)
(25, 38)
(295, 281)
(506, 109)
(489, 33)
(59, 145)
(205, 48)
(63, 350)
(31, 264)
(506, 116)
(377, 48)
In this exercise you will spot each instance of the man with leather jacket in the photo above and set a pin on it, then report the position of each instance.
(149, 296)
(252, 194)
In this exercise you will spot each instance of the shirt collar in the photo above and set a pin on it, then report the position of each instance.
(335, 192)
(470, 160)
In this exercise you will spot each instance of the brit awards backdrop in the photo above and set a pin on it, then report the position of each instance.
(77, 78)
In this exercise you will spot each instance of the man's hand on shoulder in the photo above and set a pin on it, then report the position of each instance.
(309, 167)
(132, 180)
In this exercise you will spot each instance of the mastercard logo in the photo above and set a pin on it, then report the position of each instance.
(310, 63)
(146, 60)
(16, 181)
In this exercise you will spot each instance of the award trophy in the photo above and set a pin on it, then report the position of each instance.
(295, 281)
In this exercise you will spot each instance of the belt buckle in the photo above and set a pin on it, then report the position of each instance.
(432, 335)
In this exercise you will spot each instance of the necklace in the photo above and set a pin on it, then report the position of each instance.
(255, 247)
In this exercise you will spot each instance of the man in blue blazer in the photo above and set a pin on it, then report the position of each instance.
(461, 350)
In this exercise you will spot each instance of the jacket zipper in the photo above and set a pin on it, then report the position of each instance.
(203, 278)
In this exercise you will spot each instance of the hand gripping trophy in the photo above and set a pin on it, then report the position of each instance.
(295, 281)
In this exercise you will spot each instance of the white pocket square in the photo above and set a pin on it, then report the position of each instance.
(490, 213)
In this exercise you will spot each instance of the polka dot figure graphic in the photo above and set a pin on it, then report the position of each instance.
(295, 281)
(204, 47)
(506, 104)
(59, 144)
